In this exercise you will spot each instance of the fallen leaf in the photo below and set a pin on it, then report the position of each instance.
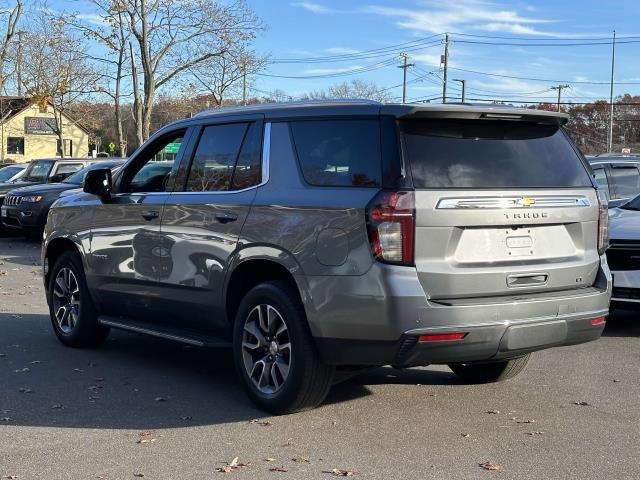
(138, 474)
(35, 362)
(11, 477)
(533, 433)
(288, 443)
(300, 460)
(187, 417)
(493, 412)
(78, 370)
(25, 369)
(281, 468)
(338, 472)
(161, 399)
(57, 406)
(525, 421)
(489, 466)
(5, 419)
(582, 404)
(465, 435)
(269, 459)
(25, 390)
(234, 465)
(264, 423)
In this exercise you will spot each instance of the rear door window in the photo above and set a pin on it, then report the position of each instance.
(626, 180)
(339, 152)
(600, 176)
(490, 154)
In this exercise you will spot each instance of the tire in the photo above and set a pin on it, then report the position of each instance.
(80, 327)
(490, 372)
(296, 378)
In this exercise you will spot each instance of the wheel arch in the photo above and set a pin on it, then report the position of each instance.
(256, 265)
(56, 247)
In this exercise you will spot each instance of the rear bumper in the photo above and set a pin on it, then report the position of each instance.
(378, 321)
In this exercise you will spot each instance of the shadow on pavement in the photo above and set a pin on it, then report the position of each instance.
(623, 323)
(136, 382)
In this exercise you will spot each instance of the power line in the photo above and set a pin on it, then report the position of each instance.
(533, 79)
(354, 71)
(538, 39)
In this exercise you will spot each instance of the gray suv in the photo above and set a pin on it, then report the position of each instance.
(318, 239)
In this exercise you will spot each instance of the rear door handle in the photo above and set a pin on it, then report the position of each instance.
(226, 217)
(151, 215)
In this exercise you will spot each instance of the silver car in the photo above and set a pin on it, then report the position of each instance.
(320, 238)
(623, 255)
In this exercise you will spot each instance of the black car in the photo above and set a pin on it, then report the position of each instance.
(25, 209)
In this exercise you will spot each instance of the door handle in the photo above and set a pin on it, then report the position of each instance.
(226, 217)
(151, 215)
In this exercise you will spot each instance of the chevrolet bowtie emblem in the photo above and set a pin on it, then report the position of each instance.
(528, 201)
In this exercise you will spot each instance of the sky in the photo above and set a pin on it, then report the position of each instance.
(537, 33)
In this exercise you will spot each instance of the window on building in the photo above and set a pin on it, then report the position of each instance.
(68, 148)
(15, 145)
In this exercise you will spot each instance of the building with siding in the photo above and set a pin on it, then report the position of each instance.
(27, 132)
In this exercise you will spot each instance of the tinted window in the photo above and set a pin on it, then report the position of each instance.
(154, 169)
(38, 171)
(215, 158)
(78, 177)
(339, 152)
(67, 169)
(490, 154)
(248, 170)
(626, 181)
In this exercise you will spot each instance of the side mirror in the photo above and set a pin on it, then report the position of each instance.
(98, 182)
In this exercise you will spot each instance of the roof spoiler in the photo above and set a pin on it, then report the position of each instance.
(468, 112)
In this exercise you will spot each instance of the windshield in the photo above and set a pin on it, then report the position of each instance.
(78, 177)
(490, 154)
(38, 171)
(7, 173)
(633, 204)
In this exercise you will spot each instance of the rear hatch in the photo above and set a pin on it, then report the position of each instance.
(503, 207)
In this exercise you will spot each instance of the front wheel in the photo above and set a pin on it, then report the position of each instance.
(274, 351)
(74, 318)
(490, 372)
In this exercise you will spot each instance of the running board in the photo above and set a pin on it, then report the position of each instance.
(152, 330)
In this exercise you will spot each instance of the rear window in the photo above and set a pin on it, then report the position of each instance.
(339, 152)
(490, 154)
(626, 180)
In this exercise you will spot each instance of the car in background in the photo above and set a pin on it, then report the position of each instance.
(623, 255)
(618, 175)
(12, 172)
(25, 209)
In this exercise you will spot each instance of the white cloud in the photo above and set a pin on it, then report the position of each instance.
(325, 71)
(432, 60)
(341, 51)
(436, 17)
(91, 18)
(313, 7)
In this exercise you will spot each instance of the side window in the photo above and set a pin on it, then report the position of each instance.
(248, 172)
(601, 179)
(215, 157)
(64, 170)
(339, 152)
(626, 180)
(154, 172)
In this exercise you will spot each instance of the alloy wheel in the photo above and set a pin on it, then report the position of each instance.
(266, 349)
(66, 299)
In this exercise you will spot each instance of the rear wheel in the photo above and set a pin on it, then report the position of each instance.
(73, 315)
(274, 351)
(490, 372)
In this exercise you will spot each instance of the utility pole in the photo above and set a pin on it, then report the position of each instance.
(244, 82)
(404, 68)
(463, 82)
(445, 61)
(559, 88)
(613, 64)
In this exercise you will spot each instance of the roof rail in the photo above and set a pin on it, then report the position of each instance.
(296, 103)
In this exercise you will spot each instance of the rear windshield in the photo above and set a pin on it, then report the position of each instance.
(490, 154)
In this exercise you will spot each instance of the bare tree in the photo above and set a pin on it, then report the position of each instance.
(170, 38)
(113, 35)
(354, 89)
(13, 17)
(228, 73)
(56, 71)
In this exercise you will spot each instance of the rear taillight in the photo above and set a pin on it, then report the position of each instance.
(391, 226)
(603, 222)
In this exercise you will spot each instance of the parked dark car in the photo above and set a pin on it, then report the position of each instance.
(617, 175)
(25, 209)
(11, 172)
(316, 239)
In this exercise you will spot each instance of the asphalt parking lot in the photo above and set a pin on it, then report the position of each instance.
(143, 407)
